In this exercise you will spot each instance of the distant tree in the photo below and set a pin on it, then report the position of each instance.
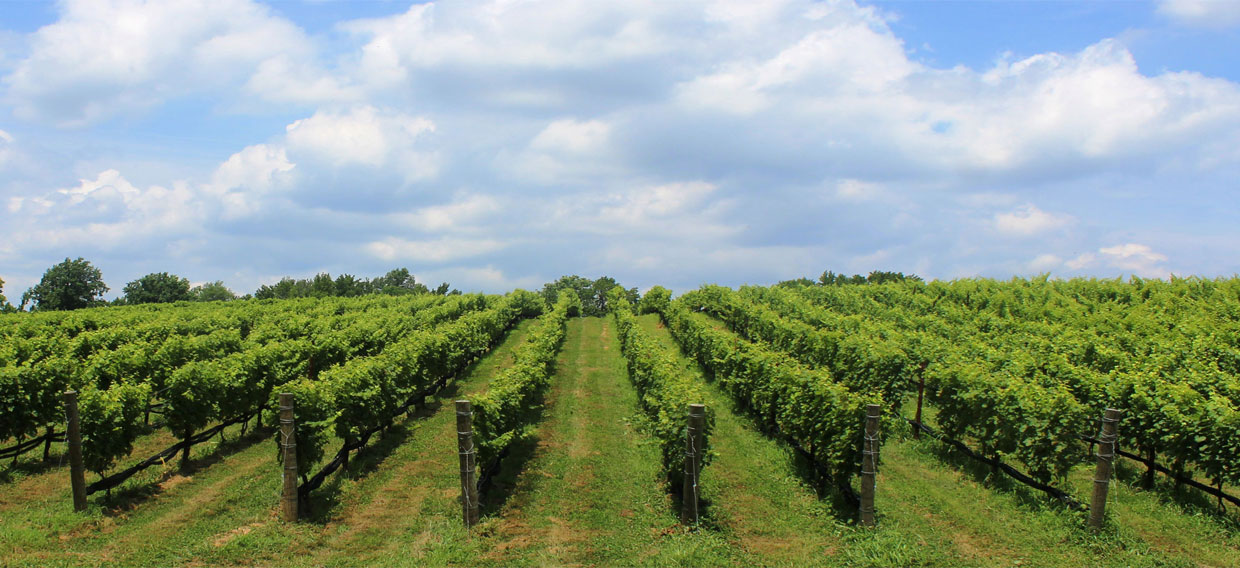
(157, 288)
(799, 282)
(602, 287)
(399, 281)
(322, 286)
(593, 293)
(349, 286)
(396, 278)
(212, 292)
(4, 302)
(70, 285)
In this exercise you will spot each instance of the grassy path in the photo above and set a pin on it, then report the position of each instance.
(757, 501)
(592, 494)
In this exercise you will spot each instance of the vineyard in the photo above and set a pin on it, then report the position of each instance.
(906, 423)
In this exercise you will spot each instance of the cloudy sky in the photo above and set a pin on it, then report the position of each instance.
(502, 144)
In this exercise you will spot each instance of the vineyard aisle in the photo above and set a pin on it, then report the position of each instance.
(591, 493)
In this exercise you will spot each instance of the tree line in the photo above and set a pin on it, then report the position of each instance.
(75, 284)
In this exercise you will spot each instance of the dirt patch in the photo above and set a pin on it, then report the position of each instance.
(232, 534)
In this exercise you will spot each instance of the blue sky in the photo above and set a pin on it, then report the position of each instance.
(502, 144)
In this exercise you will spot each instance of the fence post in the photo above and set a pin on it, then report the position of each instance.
(1102, 474)
(288, 443)
(73, 436)
(693, 464)
(869, 464)
(468, 456)
(921, 390)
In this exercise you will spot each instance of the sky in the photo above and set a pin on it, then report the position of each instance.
(502, 144)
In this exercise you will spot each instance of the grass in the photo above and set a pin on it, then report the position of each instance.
(584, 489)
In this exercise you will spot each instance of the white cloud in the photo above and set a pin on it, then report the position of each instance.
(573, 137)
(365, 136)
(107, 211)
(1045, 263)
(105, 57)
(1136, 258)
(1028, 221)
(453, 216)
(1084, 260)
(1202, 13)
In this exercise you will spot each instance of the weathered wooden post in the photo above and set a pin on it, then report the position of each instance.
(468, 458)
(693, 464)
(921, 390)
(73, 435)
(1102, 474)
(869, 464)
(288, 444)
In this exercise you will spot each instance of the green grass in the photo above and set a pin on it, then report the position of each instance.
(585, 490)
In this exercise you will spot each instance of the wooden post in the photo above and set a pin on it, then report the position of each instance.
(468, 458)
(288, 444)
(869, 464)
(693, 464)
(1102, 474)
(47, 444)
(73, 435)
(921, 390)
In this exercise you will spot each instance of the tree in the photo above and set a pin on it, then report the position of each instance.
(70, 285)
(157, 288)
(348, 286)
(593, 293)
(5, 306)
(212, 292)
(322, 286)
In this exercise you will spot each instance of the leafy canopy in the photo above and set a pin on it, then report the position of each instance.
(70, 285)
(212, 292)
(593, 293)
(157, 288)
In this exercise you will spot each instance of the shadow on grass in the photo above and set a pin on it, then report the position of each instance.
(992, 477)
(1191, 500)
(801, 462)
(130, 495)
(365, 461)
(35, 464)
(507, 480)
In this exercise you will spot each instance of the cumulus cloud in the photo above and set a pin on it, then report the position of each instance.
(103, 58)
(107, 211)
(1202, 13)
(1028, 221)
(1137, 258)
(508, 142)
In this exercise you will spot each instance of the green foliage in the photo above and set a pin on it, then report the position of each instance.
(513, 403)
(666, 391)
(157, 288)
(863, 363)
(655, 300)
(820, 415)
(70, 285)
(592, 293)
(396, 282)
(212, 292)
(361, 393)
(110, 420)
